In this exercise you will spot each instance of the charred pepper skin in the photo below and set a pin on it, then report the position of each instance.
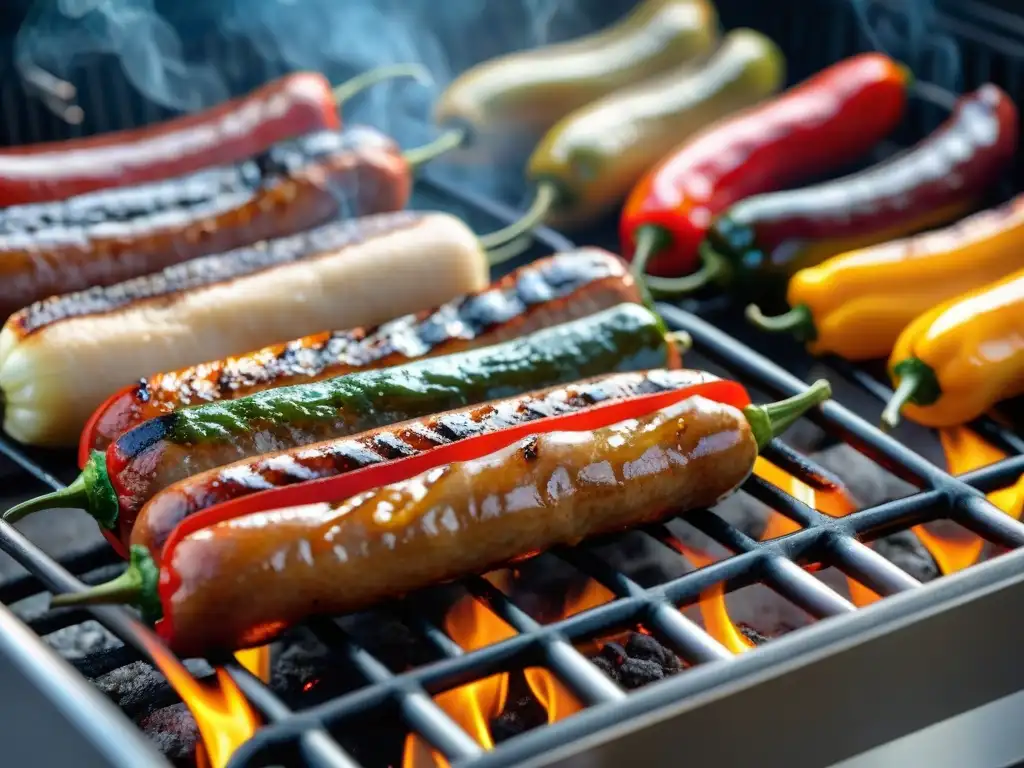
(856, 305)
(824, 123)
(577, 475)
(561, 288)
(762, 241)
(283, 478)
(956, 361)
(162, 451)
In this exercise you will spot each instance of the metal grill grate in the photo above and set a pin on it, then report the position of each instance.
(778, 563)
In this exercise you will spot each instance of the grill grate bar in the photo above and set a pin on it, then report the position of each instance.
(775, 562)
(869, 568)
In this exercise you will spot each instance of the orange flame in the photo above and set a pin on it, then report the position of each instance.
(966, 451)
(224, 717)
(835, 502)
(257, 661)
(551, 694)
(472, 626)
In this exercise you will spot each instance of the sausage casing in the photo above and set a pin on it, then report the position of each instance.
(61, 358)
(451, 521)
(296, 186)
(283, 469)
(554, 290)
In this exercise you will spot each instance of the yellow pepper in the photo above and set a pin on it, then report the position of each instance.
(856, 304)
(960, 358)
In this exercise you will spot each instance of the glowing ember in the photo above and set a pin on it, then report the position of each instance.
(224, 717)
(965, 451)
(590, 595)
(257, 661)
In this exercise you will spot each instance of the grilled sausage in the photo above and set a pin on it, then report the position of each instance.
(295, 186)
(283, 469)
(454, 520)
(548, 292)
(60, 358)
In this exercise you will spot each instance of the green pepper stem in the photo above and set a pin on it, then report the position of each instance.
(798, 321)
(371, 77)
(509, 250)
(126, 589)
(681, 340)
(75, 496)
(714, 266)
(910, 383)
(649, 240)
(543, 199)
(916, 382)
(772, 419)
(446, 142)
(138, 586)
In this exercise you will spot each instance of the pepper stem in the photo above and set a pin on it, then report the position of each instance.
(681, 340)
(371, 77)
(798, 321)
(138, 586)
(916, 383)
(91, 491)
(75, 496)
(446, 142)
(543, 199)
(714, 266)
(772, 419)
(649, 239)
(509, 250)
(126, 589)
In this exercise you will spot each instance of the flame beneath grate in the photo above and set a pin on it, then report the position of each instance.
(257, 661)
(473, 706)
(223, 715)
(965, 451)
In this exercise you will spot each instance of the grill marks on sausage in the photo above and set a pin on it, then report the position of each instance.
(211, 270)
(296, 186)
(524, 296)
(349, 454)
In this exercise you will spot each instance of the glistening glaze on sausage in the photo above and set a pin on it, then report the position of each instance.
(295, 186)
(284, 469)
(555, 290)
(458, 519)
(61, 358)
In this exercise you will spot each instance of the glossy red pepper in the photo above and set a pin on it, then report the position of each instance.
(345, 486)
(291, 106)
(821, 124)
(151, 586)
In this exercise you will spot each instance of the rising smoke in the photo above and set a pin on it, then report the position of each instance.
(174, 64)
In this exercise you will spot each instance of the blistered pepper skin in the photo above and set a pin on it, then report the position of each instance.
(861, 301)
(974, 346)
(549, 489)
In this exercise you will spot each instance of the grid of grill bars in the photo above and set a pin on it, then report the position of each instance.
(776, 563)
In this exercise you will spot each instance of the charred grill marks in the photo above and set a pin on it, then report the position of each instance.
(355, 453)
(468, 318)
(210, 270)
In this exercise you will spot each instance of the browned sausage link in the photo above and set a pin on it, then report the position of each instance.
(284, 468)
(555, 290)
(449, 522)
(300, 185)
